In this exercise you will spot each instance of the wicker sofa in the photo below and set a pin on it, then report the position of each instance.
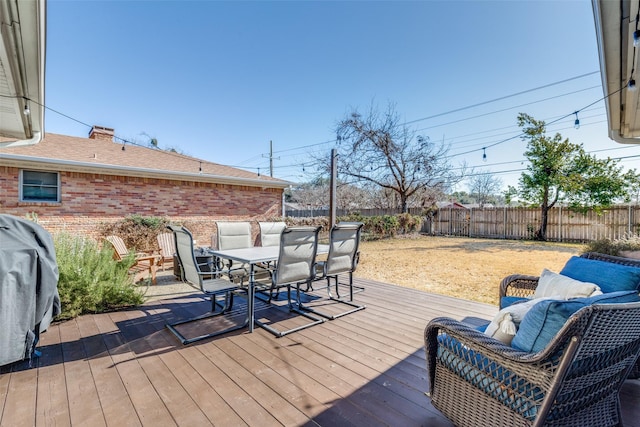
(575, 380)
(521, 286)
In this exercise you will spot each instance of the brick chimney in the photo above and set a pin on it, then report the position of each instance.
(102, 133)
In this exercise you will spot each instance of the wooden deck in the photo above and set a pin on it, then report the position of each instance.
(126, 369)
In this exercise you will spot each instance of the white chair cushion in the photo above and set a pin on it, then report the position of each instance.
(563, 287)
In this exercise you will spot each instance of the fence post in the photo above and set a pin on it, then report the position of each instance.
(504, 222)
(560, 222)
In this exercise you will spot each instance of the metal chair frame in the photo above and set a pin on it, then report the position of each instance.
(234, 235)
(344, 241)
(295, 266)
(213, 287)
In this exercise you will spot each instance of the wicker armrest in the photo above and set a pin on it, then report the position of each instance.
(523, 364)
(518, 285)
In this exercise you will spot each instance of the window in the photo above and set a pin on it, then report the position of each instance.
(37, 186)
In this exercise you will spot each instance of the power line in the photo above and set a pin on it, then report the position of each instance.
(472, 106)
(502, 97)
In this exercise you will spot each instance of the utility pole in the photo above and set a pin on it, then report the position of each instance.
(271, 158)
(333, 187)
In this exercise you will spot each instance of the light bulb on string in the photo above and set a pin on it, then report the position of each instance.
(576, 124)
(636, 38)
(632, 85)
(484, 154)
(26, 111)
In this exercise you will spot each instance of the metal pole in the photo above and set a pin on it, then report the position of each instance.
(271, 158)
(333, 187)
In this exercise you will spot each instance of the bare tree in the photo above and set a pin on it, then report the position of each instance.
(379, 149)
(484, 186)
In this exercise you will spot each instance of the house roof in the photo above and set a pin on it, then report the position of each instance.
(69, 153)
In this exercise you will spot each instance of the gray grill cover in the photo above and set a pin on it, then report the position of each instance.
(28, 286)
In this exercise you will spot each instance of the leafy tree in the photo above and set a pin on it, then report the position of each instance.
(379, 149)
(560, 171)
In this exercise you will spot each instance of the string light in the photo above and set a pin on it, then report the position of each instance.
(632, 85)
(484, 154)
(576, 124)
(26, 111)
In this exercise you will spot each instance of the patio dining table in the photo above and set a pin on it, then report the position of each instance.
(252, 256)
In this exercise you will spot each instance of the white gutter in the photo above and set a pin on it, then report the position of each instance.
(608, 15)
(23, 54)
(42, 163)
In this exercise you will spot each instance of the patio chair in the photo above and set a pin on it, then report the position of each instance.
(270, 236)
(143, 261)
(518, 286)
(234, 235)
(295, 266)
(217, 286)
(270, 232)
(344, 240)
(573, 381)
(166, 243)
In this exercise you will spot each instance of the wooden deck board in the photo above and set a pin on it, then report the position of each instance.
(126, 369)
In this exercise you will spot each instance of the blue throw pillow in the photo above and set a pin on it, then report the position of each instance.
(547, 317)
(509, 301)
(609, 276)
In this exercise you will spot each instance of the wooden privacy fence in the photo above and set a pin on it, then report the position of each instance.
(563, 225)
(309, 213)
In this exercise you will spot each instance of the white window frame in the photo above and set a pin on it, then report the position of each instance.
(22, 185)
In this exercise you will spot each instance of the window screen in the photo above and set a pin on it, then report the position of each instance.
(40, 186)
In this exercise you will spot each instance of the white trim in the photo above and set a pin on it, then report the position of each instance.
(30, 162)
(21, 185)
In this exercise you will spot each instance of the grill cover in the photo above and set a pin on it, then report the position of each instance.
(28, 286)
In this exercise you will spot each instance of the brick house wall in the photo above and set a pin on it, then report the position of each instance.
(89, 200)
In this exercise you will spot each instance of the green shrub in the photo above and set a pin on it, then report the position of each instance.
(91, 281)
(614, 247)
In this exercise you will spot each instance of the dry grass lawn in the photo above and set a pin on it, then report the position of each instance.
(466, 268)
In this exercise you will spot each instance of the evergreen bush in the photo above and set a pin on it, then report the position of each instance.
(91, 281)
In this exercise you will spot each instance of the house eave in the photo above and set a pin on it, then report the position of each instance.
(22, 71)
(39, 163)
(615, 25)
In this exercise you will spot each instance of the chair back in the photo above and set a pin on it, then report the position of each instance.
(270, 233)
(297, 256)
(167, 245)
(120, 249)
(233, 235)
(344, 241)
(183, 241)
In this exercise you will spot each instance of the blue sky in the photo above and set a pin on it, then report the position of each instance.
(220, 80)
